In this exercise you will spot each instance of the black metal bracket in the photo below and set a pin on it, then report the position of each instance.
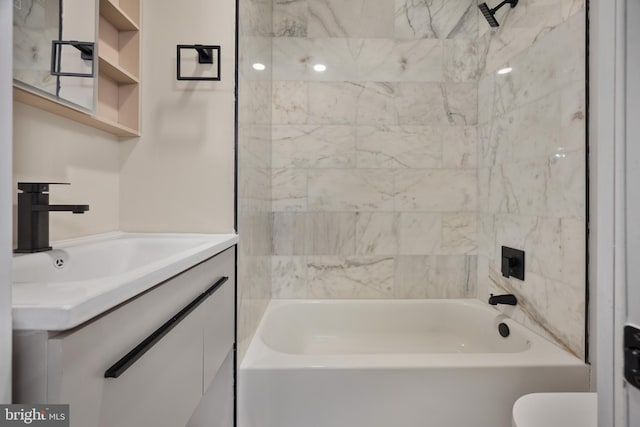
(207, 54)
(86, 53)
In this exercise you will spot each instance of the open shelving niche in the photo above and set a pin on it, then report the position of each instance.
(118, 76)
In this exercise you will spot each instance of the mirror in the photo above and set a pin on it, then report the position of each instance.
(54, 49)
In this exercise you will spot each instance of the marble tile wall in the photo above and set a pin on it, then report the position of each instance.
(254, 220)
(374, 159)
(531, 164)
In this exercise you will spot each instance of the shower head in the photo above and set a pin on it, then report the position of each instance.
(489, 14)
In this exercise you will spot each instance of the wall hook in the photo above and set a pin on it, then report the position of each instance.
(205, 54)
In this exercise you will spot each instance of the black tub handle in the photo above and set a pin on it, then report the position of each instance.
(130, 358)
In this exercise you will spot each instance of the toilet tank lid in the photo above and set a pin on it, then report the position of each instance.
(556, 410)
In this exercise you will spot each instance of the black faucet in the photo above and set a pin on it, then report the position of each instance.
(507, 299)
(33, 216)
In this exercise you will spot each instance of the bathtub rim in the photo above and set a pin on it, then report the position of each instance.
(541, 352)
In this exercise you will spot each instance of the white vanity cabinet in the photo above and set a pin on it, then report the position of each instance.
(180, 379)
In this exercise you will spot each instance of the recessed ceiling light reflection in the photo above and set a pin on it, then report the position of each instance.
(505, 70)
(320, 67)
(258, 66)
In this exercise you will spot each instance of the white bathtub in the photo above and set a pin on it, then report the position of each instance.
(400, 363)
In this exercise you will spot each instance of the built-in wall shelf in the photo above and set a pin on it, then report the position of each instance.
(117, 97)
(116, 72)
(118, 17)
(35, 99)
(118, 101)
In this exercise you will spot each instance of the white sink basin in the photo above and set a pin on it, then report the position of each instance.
(80, 279)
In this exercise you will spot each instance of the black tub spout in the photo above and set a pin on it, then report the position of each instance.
(507, 299)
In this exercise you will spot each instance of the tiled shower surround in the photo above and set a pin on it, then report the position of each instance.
(374, 160)
(400, 170)
(531, 165)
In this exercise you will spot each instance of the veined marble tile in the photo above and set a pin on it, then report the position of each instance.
(536, 129)
(376, 233)
(256, 18)
(459, 234)
(399, 147)
(289, 277)
(254, 182)
(557, 247)
(350, 277)
(435, 276)
(482, 281)
(290, 18)
(333, 103)
(419, 233)
(255, 244)
(573, 115)
(330, 233)
(436, 190)
(566, 195)
(520, 187)
(487, 99)
(289, 192)
(436, 19)
(353, 18)
(289, 231)
(255, 151)
(571, 7)
(388, 60)
(495, 143)
(457, 273)
(415, 277)
(290, 102)
(350, 190)
(252, 49)
(358, 59)
(254, 97)
(437, 104)
(523, 26)
(486, 235)
(377, 104)
(459, 147)
(461, 61)
(314, 146)
(484, 190)
(294, 58)
(562, 63)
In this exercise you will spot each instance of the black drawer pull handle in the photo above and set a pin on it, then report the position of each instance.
(130, 358)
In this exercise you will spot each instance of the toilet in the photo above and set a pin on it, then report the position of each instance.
(556, 410)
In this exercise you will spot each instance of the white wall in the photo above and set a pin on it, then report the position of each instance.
(53, 149)
(6, 14)
(178, 177)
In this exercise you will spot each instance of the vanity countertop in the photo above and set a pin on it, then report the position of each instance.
(83, 278)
